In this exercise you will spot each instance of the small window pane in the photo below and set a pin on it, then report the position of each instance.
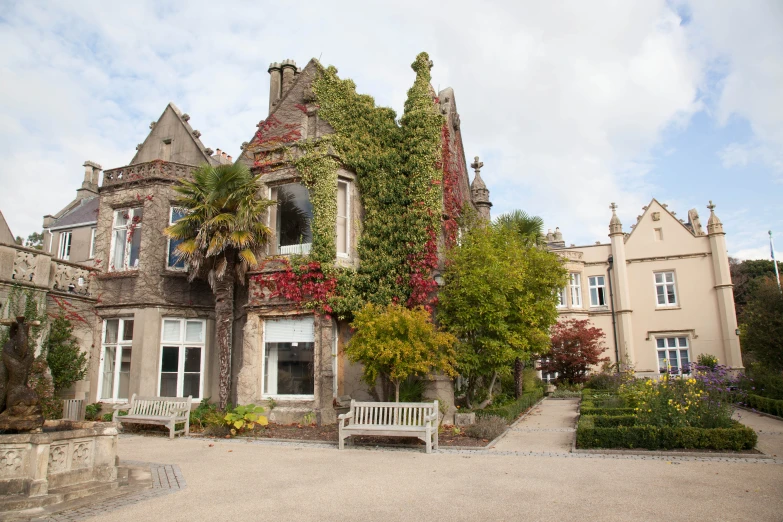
(171, 330)
(670, 293)
(661, 295)
(127, 330)
(175, 261)
(168, 385)
(135, 247)
(683, 342)
(672, 342)
(121, 218)
(112, 325)
(191, 386)
(107, 386)
(661, 343)
(669, 277)
(194, 332)
(125, 365)
(176, 214)
(170, 359)
(659, 278)
(118, 256)
(192, 359)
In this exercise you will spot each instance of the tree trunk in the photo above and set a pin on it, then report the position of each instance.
(397, 391)
(518, 378)
(489, 392)
(224, 329)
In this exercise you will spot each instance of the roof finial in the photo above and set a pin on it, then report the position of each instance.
(476, 165)
(613, 206)
(714, 226)
(711, 206)
(615, 226)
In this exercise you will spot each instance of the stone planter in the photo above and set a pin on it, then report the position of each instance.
(67, 453)
(464, 419)
(550, 389)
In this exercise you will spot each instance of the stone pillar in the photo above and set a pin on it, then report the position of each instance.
(249, 378)
(723, 288)
(275, 83)
(324, 372)
(441, 387)
(622, 295)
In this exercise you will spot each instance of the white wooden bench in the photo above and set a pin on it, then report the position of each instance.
(391, 419)
(166, 411)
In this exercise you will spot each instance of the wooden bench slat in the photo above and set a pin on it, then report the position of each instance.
(404, 419)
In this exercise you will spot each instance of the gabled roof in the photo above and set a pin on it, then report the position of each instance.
(86, 212)
(173, 124)
(665, 208)
(5, 232)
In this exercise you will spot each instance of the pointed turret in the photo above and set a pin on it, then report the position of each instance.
(714, 226)
(479, 191)
(615, 226)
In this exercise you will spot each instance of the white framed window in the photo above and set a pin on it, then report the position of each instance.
(597, 286)
(64, 250)
(673, 355)
(562, 300)
(181, 370)
(115, 363)
(93, 230)
(665, 293)
(343, 219)
(173, 262)
(289, 363)
(575, 284)
(126, 239)
(293, 218)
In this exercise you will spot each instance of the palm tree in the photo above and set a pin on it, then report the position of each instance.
(223, 234)
(527, 226)
(531, 229)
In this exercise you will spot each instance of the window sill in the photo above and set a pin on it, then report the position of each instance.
(290, 398)
(119, 275)
(601, 308)
(660, 308)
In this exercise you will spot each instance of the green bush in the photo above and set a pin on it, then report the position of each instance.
(487, 428)
(412, 390)
(92, 411)
(611, 421)
(511, 411)
(736, 438)
(760, 380)
(763, 404)
(611, 412)
(565, 394)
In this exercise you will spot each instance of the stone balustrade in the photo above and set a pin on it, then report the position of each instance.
(31, 267)
(153, 170)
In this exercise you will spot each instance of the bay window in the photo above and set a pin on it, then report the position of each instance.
(126, 239)
(182, 358)
(289, 346)
(115, 363)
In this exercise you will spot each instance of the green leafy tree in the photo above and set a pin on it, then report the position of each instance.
(746, 276)
(223, 235)
(499, 300)
(531, 229)
(762, 326)
(67, 362)
(395, 342)
(35, 240)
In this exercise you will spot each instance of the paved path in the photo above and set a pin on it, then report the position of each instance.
(549, 427)
(769, 431)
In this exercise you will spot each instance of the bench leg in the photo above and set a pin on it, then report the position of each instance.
(187, 427)
(428, 442)
(172, 428)
(341, 442)
(436, 438)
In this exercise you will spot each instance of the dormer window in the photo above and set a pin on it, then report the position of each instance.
(293, 216)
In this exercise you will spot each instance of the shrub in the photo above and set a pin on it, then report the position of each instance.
(607, 411)
(737, 437)
(706, 360)
(411, 390)
(67, 362)
(489, 428)
(760, 380)
(40, 382)
(511, 411)
(198, 416)
(607, 421)
(245, 417)
(764, 404)
(92, 411)
(565, 394)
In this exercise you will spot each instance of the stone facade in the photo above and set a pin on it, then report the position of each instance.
(670, 293)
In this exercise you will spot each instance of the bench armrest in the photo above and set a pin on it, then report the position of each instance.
(432, 417)
(120, 407)
(343, 417)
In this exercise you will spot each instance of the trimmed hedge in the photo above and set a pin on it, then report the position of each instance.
(611, 412)
(764, 404)
(654, 438)
(607, 421)
(512, 410)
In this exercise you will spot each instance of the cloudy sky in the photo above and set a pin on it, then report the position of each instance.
(570, 105)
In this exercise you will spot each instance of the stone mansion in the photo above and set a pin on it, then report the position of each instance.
(661, 293)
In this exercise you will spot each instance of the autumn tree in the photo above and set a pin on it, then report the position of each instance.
(395, 342)
(499, 300)
(575, 347)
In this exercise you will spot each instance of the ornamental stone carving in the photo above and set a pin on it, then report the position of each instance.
(10, 462)
(24, 266)
(58, 458)
(157, 169)
(569, 254)
(81, 455)
(71, 279)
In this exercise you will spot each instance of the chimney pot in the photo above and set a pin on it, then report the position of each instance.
(223, 154)
(228, 158)
(218, 152)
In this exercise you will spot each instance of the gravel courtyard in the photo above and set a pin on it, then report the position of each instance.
(239, 480)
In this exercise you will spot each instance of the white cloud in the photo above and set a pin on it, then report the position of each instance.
(565, 103)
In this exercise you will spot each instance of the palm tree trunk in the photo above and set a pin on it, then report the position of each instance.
(224, 317)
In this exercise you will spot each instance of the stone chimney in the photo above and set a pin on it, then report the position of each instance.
(289, 74)
(275, 84)
(92, 174)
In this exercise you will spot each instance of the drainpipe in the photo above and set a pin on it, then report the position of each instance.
(614, 319)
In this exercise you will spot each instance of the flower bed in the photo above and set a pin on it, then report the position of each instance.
(765, 405)
(736, 438)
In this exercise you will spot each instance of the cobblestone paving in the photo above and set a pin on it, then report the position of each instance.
(166, 479)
